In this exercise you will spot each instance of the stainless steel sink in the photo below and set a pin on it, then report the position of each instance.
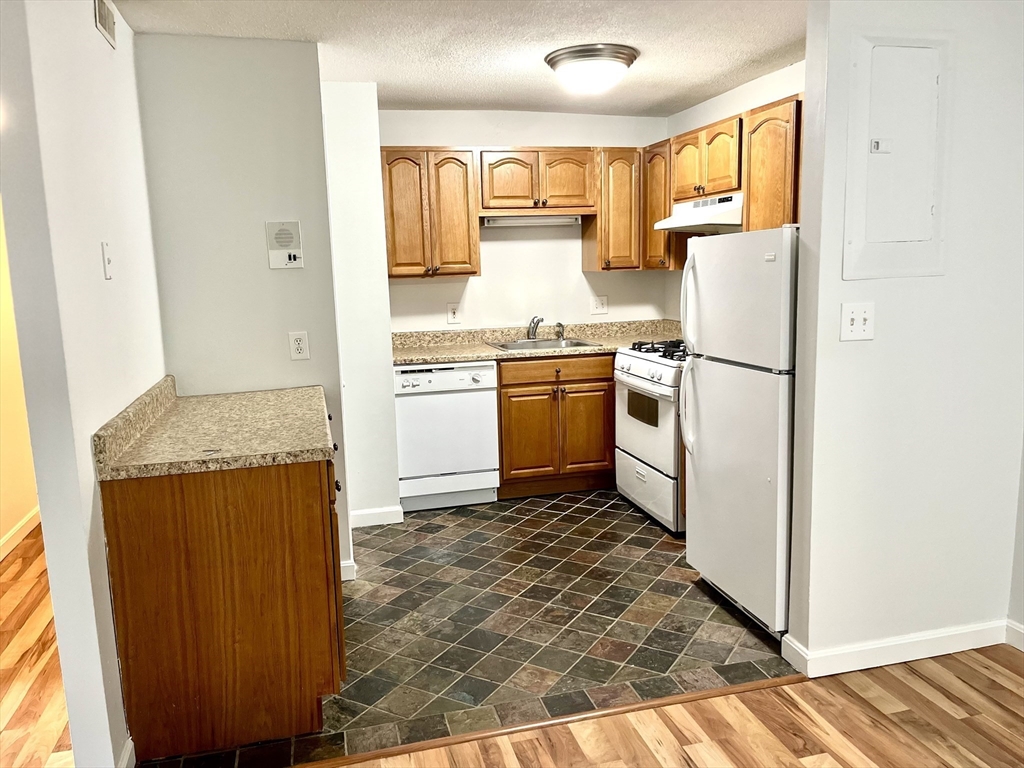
(510, 346)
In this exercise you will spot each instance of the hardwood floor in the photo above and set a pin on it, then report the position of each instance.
(33, 713)
(965, 709)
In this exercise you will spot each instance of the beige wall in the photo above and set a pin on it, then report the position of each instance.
(18, 502)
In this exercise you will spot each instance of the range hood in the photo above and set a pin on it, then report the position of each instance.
(712, 215)
(530, 221)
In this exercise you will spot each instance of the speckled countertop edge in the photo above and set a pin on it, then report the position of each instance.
(411, 348)
(156, 434)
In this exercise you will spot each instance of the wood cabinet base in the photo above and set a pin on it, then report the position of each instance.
(226, 604)
(592, 481)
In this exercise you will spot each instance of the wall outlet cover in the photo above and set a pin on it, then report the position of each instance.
(298, 345)
(453, 314)
(599, 305)
(858, 322)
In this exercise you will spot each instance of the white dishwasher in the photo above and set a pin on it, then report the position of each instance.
(447, 434)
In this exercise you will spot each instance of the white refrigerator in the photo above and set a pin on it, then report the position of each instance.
(738, 306)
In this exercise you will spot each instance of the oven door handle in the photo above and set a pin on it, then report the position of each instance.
(649, 388)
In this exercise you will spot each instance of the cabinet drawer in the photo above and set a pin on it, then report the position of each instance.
(556, 369)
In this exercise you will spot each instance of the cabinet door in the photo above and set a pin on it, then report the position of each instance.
(509, 179)
(454, 229)
(529, 432)
(721, 157)
(406, 216)
(587, 427)
(770, 173)
(656, 204)
(687, 166)
(620, 208)
(568, 179)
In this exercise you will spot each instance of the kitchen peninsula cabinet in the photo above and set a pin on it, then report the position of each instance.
(430, 211)
(771, 170)
(224, 566)
(557, 424)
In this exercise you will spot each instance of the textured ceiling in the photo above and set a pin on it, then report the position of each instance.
(489, 54)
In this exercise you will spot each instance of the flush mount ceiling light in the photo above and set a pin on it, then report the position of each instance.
(592, 68)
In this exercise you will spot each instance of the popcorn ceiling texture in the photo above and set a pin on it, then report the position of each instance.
(489, 54)
(163, 434)
(463, 346)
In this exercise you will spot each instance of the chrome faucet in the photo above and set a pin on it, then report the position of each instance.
(559, 331)
(531, 332)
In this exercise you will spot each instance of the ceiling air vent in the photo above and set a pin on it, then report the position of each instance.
(104, 13)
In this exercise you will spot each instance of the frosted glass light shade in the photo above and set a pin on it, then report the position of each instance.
(590, 75)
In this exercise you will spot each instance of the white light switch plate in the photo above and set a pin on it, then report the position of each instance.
(858, 322)
(454, 315)
(298, 344)
(599, 305)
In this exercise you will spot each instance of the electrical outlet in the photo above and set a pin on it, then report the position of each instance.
(599, 305)
(298, 344)
(858, 322)
(454, 316)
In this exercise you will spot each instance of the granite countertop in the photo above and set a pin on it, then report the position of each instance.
(410, 348)
(163, 434)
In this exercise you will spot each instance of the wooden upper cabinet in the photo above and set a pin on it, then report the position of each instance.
(587, 439)
(510, 179)
(529, 432)
(406, 215)
(620, 208)
(568, 179)
(454, 228)
(721, 150)
(656, 204)
(771, 165)
(687, 167)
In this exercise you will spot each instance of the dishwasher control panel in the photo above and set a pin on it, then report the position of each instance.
(450, 377)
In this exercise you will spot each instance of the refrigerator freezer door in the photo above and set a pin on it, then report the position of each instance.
(738, 484)
(738, 297)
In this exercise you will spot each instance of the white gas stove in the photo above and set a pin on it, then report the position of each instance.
(648, 460)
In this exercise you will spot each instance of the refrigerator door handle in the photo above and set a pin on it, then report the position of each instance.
(688, 439)
(684, 302)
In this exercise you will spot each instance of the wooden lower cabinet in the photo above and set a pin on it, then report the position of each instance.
(226, 592)
(557, 425)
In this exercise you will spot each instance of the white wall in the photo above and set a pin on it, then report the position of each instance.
(233, 137)
(527, 272)
(72, 176)
(359, 253)
(508, 292)
(1015, 613)
(764, 90)
(906, 504)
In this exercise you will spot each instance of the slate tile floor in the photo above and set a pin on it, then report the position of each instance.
(478, 617)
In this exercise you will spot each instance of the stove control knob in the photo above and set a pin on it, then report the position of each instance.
(476, 378)
(627, 366)
(650, 374)
(659, 375)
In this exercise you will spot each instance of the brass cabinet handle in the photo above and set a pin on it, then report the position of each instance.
(436, 270)
(607, 262)
(563, 390)
(544, 201)
(536, 201)
(696, 188)
(426, 271)
(554, 390)
(558, 370)
(662, 262)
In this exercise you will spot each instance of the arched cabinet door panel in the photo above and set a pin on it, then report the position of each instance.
(722, 157)
(771, 166)
(406, 214)
(568, 179)
(510, 179)
(454, 229)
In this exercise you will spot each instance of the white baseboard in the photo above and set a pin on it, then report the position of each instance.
(360, 518)
(127, 759)
(348, 570)
(893, 650)
(1015, 634)
(13, 537)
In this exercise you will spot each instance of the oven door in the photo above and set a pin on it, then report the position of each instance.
(647, 422)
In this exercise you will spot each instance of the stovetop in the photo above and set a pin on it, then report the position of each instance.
(657, 361)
